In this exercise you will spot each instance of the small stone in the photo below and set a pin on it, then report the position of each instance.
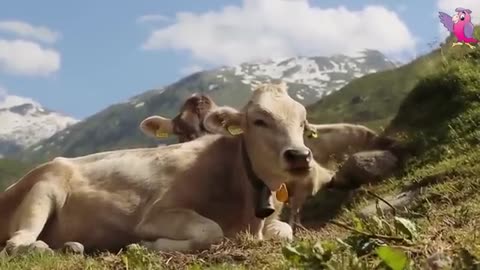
(398, 201)
(366, 167)
(73, 248)
(41, 247)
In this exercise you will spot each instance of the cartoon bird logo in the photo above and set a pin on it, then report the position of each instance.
(460, 25)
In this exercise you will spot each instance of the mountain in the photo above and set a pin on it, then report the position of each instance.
(309, 79)
(24, 122)
(316, 76)
(375, 98)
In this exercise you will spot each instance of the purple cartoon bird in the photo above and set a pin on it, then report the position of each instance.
(460, 25)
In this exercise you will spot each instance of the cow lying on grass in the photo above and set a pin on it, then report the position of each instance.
(330, 141)
(180, 197)
(188, 125)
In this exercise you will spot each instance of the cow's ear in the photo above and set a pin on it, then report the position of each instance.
(157, 126)
(224, 120)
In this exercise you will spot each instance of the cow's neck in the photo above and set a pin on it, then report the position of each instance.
(262, 194)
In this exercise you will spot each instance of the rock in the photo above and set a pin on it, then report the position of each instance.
(356, 100)
(438, 261)
(398, 201)
(365, 168)
(73, 248)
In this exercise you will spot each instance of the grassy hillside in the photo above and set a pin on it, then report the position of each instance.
(373, 100)
(11, 171)
(440, 120)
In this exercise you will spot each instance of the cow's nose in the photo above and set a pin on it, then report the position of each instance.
(298, 157)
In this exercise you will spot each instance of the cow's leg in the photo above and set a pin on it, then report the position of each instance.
(178, 230)
(31, 216)
(296, 203)
(276, 229)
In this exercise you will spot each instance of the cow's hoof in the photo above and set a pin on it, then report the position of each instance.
(278, 230)
(35, 247)
(73, 248)
(40, 247)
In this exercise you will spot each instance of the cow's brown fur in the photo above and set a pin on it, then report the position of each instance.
(179, 197)
(187, 124)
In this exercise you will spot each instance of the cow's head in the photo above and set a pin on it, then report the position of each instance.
(271, 125)
(186, 126)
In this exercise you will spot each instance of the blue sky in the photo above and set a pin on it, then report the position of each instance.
(78, 57)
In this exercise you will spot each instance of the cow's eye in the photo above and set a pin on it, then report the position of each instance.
(260, 123)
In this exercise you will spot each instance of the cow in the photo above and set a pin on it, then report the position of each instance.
(180, 197)
(331, 142)
(187, 125)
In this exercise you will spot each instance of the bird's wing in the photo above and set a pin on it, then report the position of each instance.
(468, 30)
(446, 20)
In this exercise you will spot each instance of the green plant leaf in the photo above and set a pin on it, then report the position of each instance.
(406, 226)
(358, 223)
(395, 259)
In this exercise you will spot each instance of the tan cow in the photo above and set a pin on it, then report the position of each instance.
(331, 142)
(187, 125)
(179, 197)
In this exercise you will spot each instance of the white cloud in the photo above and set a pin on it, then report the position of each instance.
(191, 69)
(27, 58)
(3, 93)
(262, 29)
(26, 30)
(449, 6)
(152, 18)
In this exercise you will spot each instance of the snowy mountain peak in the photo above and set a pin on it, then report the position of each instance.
(24, 122)
(10, 101)
(314, 76)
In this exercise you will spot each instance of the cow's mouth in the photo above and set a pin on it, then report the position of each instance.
(299, 170)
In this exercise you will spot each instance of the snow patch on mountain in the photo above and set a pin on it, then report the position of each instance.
(24, 122)
(319, 76)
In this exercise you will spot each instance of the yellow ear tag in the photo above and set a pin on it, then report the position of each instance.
(234, 130)
(160, 134)
(312, 134)
(282, 193)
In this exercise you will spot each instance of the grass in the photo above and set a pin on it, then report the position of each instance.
(10, 171)
(440, 120)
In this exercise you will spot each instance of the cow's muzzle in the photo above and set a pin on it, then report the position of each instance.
(298, 160)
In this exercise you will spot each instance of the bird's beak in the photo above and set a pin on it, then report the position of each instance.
(455, 18)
